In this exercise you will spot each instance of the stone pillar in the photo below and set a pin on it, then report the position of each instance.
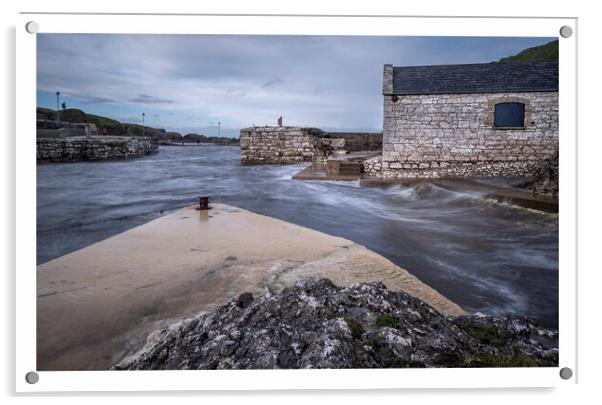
(388, 80)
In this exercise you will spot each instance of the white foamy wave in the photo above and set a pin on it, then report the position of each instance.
(513, 302)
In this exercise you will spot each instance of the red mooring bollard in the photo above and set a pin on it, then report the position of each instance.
(203, 204)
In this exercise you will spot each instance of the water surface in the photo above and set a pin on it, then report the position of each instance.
(485, 256)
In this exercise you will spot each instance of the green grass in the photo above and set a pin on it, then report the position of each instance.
(484, 359)
(487, 334)
(547, 51)
(386, 320)
(385, 356)
(357, 330)
(113, 126)
(450, 359)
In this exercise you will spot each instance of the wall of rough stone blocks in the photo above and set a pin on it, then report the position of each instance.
(373, 166)
(453, 135)
(276, 145)
(358, 141)
(93, 148)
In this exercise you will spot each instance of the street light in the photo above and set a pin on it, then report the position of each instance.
(143, 123)
(219, 129)
(58, 93)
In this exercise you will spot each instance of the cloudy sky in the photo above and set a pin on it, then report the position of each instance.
(189, 83)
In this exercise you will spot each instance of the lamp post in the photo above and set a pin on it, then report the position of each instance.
(58, 93)
(143, 123)
(219, 129)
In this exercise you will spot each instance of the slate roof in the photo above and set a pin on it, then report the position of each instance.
(476, 78)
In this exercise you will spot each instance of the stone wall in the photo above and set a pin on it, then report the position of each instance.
(358, 141)
(93, 148)
(452, 135)
(373, 166)
(283, 145)
(276, 145)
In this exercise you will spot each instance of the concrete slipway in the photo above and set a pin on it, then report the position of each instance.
(99, 303)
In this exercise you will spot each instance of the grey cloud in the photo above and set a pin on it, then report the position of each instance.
(272, 82)
(146, 99)
(322, 81)
(94, 99)
(236, 92)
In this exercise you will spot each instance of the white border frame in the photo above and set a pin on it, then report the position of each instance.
(286, 379)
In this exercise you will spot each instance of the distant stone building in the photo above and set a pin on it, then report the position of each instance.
(492, 119)
(60, 129)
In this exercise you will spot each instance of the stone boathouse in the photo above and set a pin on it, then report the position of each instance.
(475, 120)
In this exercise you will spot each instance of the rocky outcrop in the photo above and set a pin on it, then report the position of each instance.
(91, 148)
(316, 324)
(545, 178)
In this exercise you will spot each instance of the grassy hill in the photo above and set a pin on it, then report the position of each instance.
(114, 127)
(547, 51)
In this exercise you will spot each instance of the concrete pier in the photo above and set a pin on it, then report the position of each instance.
(99, 303)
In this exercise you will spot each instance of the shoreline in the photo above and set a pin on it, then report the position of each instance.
(513, 196)
(118, 290)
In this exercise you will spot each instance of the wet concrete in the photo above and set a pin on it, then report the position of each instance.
(323, 171)
(97, 304)
(319, 171)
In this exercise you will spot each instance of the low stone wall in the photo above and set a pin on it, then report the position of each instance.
(93, 148)
(373, 167)
(358, 141)
(276, 145)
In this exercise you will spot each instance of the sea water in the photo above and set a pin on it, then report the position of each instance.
(485, 256)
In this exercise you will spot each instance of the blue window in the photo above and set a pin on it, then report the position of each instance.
(509, 115)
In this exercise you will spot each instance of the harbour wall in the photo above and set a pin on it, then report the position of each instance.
(93, 148)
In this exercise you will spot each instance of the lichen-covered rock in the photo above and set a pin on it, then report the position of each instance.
(316, 324)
